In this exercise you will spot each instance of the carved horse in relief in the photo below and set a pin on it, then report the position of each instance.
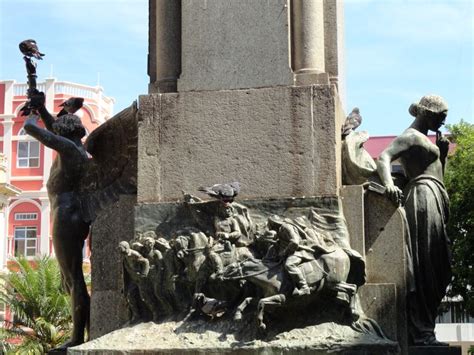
(330, 271)
(200, 269)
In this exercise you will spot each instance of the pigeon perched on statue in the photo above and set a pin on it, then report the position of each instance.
(71, 106)
(223, 192)
(29, 48)
(352, 122)
(210, 306)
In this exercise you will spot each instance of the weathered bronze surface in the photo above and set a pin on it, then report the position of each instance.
(225, 259)
(79, 187)
(426, 204)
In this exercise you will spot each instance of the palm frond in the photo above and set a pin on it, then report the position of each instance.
(42, 311)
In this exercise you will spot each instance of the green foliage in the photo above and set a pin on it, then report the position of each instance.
(459, 179)
(42, 312)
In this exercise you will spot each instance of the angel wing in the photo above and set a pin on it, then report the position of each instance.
(112, 171)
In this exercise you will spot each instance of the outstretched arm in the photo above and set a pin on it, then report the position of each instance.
(47, 118)
(391, 153)
(49, 139)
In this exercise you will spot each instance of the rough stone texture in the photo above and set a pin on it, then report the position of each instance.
(231, 44)
(108, 311)
(165, 217)
(280, 141)
(386, 257)
(379, 303)
(218, 337)
(353, 205)
(334, 44)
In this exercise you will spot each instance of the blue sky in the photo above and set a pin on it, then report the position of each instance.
(396, 51)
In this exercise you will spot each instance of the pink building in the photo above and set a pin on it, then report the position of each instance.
(25, 227)
(376, 145)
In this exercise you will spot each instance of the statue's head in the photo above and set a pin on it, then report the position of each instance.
(226, 210)
(124, 247)
(69, 126)
(433, 109)
(148, 243)
(274, 222)
(162, 244)
(137, 246)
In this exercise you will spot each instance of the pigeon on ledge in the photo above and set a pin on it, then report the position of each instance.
(352, 122)
(210, 306)
(223, 192)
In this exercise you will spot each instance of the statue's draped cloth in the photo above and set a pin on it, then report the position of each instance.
(427, 209)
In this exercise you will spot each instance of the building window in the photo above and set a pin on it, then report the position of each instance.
(26, 216)
(28, 154)
(25, 241)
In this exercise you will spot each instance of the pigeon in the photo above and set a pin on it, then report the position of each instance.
(70, 106)
(29, 48)
(352, 122)
(223, 192)
(210, 306)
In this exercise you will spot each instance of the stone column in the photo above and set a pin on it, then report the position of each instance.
(334, 44)
(164, 46)
(307, 20)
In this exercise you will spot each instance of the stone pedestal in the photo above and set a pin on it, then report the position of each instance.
(197, 338)
(248, 91)
(108, 307)
(277, 142)
(378, 231)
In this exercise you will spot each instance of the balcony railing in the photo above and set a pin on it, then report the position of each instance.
(20, 89)
(94, 93)
(76, 90)
(62, 87)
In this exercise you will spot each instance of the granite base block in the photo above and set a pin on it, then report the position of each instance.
(379, 302)
(224, 337)
(197, 138)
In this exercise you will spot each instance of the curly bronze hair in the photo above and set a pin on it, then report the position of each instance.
(69, 125)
